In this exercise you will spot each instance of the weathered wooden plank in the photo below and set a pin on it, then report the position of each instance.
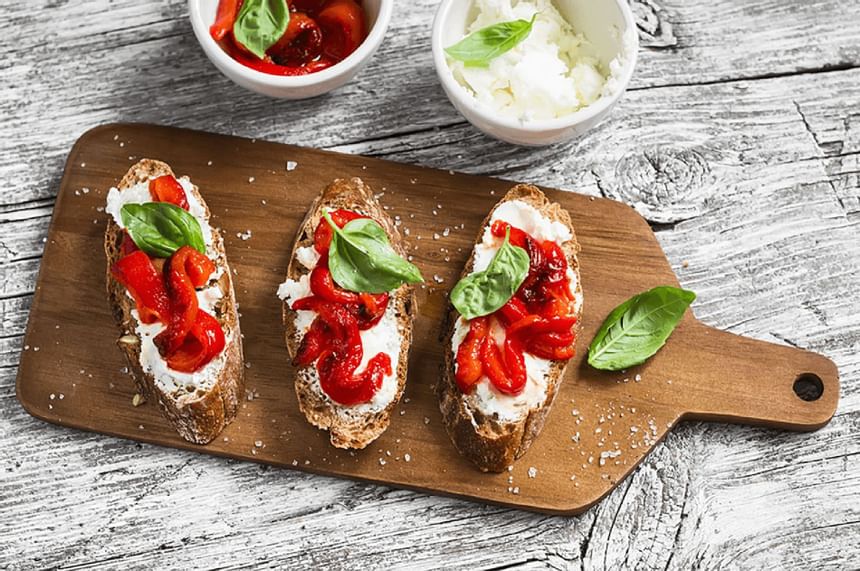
(133, 61)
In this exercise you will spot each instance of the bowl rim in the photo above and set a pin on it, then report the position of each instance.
(229, 65)
(538, 126)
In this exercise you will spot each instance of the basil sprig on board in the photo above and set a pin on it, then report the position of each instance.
(482, 293)
(479, 48)
(638, 328)
(260, 24)
(362, 260)
(161, 228)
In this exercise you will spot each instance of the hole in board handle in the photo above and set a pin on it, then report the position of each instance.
(808, 387)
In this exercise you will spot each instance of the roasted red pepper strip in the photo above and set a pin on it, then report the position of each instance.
(512, 311)
(186, 270)
(469, 363)
(224, 19)
(167, 189)
(371, 309)
(493, 363)
(552, 353)
(515, 365)
(553, 339)
(203, 342)
(127, 246)
(146, 285)
(343, 27)
(313, 343)
(300, 44)
(518, 237)
(323, 232)
(323, 286)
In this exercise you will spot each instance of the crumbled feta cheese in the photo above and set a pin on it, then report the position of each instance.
(552, 73)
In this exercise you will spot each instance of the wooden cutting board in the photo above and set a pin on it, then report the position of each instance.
(602, 424)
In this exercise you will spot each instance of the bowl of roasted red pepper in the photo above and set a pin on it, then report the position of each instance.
(292, 49)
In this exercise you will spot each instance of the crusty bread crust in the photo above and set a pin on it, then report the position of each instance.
(348, 430)
(491, 444)
(198, 416)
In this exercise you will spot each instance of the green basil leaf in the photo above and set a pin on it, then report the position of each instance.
(161, 228)
(482, 293)
(361, 258)
(260, 24)
(480, 48)
(638, 328)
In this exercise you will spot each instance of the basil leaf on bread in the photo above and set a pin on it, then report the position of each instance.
(161, 228)
(482, 293)
(361, 259)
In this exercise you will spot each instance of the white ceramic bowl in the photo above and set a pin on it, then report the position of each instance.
(378, 12)
(608, 24)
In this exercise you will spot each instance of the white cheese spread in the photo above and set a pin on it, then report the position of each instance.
(552, 73)
(486, 398)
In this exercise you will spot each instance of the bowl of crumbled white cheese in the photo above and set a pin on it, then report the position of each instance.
(534, 72)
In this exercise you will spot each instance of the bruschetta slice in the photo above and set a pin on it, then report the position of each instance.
(171, 292)
(348, 308)
(513, 323)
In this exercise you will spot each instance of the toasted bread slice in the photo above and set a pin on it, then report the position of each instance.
(489, 441)
(198, 405)
(349, 426)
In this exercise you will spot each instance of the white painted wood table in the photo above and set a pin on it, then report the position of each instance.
(739, 141)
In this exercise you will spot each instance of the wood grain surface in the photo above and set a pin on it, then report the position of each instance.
(601, 428)
(740, 143)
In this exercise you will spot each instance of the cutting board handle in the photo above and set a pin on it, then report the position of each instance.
(755, 382)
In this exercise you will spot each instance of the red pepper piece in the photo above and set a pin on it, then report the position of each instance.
(310, 303)
(370, 309)
(493, 363)
(167, 189)
(512, 311)
(354, 389)
(506, 372)
(526, 324)
(300, 44)
(323, 232)
(515, 364)
(553, 339)
(556, 300)
(204, 341)
(323, 286)
(469, 362)
(225, 17)
(313, 343)
(268, 66)
(343, 27)
(555, 264)
(146, 285)
(127, 246)
(518, 237)
(552, 353)
(187, 269)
